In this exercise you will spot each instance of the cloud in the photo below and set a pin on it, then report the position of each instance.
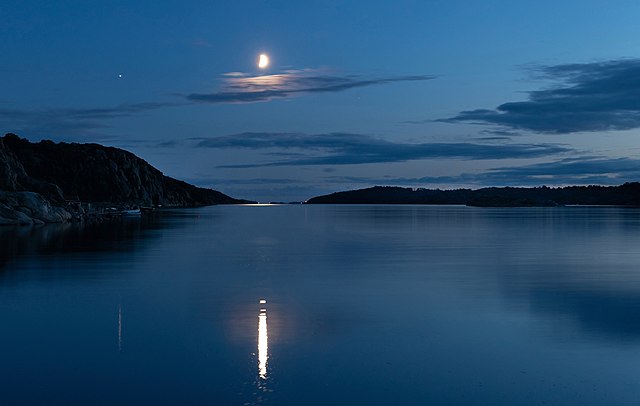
(350, 149)
(499, 134)
(123, 110)
(572, 171)
(497, 138)
(206, 180)
(598, 96)
(242, 88)
(569, 171)
(238, 87)
(70, 121)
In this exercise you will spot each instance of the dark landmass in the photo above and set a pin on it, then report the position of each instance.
(56, 182)
(623, 195)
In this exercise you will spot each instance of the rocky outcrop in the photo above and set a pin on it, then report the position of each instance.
(13, 176)
(29, 208)
(55, 173)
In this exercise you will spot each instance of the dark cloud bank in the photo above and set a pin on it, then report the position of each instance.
(596, 96)
(349, 149)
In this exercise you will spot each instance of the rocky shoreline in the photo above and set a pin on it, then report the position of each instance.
(49, 182)
(30, 208)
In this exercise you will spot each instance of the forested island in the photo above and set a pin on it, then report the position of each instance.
(627, 194)
(57, 182)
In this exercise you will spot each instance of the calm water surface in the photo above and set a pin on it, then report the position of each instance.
(368, 305)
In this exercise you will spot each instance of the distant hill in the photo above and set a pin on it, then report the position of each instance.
(623, 195)
(91, 173)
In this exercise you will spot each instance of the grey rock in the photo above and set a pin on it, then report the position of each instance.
(29, 208)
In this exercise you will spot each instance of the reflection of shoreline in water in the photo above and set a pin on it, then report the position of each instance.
(72, 237)
(120, 236)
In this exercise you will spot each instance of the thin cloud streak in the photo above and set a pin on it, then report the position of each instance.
(352, 149)
(570, 171)
(71, 121)
(240, 88)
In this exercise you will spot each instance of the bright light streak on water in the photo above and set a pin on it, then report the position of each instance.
(263, 344)
(514, 306)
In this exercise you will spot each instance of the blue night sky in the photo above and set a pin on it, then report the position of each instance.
(437, 94)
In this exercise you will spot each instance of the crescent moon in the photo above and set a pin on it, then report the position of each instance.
(263, 61)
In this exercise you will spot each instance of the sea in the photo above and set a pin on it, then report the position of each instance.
(324, 305)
